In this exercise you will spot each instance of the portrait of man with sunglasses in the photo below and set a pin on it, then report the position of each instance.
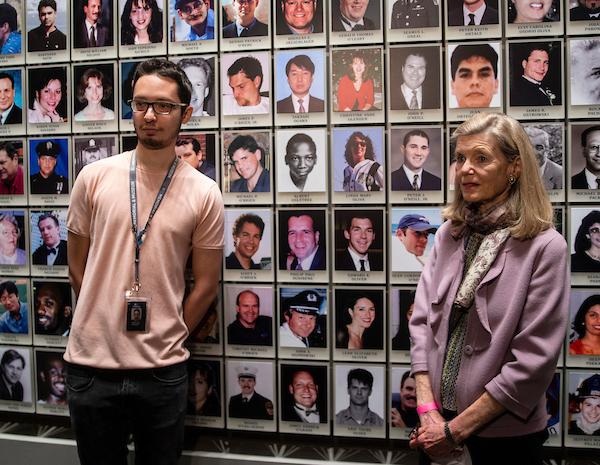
(589, 176)
(199, 16)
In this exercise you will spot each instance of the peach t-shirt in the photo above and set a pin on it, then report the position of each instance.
(190, 215)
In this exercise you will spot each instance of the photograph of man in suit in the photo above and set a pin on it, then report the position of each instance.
(245, 24)
(471, 13)
(305, 252)
(10, 34)
(51, 386)
(250, 327)
(10, 112)
(199, 16)
(53, 250)
(359, 231)
(550, 171)
(245, 78)
(589, 176)
(528, 87)
(411, 175)
(249, 403)
(586, 10)
(474, 75)
(411, 95)
(301, 401)
(300, 17)
(300, 72)
(11, 172)
(12, 366)
(46, 36)
(89, 30)
(247, 158)
(349, 15)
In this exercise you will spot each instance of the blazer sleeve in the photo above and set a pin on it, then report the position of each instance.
(534, 349)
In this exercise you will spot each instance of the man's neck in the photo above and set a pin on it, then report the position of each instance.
(244, 261)
(50, 29)
(298, 181)
(51, 246)
(300, 96)
(155, 160)
(246, 22)
(16, 315)
(593, 171)
(474, 6)
(200, 28)
(359, 412)
(254, 179)
(246, 325)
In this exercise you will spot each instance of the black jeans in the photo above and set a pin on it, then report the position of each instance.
(107, 405)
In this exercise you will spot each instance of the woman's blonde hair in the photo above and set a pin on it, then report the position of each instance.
(528, 201)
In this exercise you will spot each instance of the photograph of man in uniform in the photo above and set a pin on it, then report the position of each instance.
(247, 233)
(245, 24)
(10, 112)
(299, 17)
(358, 228)
(249, 403)
(10, 33)
(53, 250)
(53, 309)
(11, 172)
(189, 150)
(244, 97)
(358, 413)
(250, 327)
(411, 176)
(413, 234)
(350, 15)
(585, 10)
(584, 86)
(51, 379)
(91, 150)
(300, 71)
(404, 403)
(589, 176)
(531, 85)
(474, 75)
(301, 159)
(47, 180)
(299, 326)
(247, 159)
(12, 366)
(15, 318)
(408, 14)
(472, 12)
(362, 171)
(586, 418)
(46, 36)
(304, 394)
(199, 16)
(200, 73)
(303, 233)
(93, 24)
(420, 73)
(550, 171)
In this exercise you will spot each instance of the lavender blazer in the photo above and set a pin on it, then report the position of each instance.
(515, 328)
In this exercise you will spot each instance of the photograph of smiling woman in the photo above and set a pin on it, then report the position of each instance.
(47, 95)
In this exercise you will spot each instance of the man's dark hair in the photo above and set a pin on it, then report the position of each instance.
(465, 52)
(586, 132)
(10, 287)
(243, 142)
(9, 148)
(362, 376)
(298, 139)
(8, 76)
(370, 152)
(196, 147)
(579, 321)
(247, 291)
(166, 69)
(8, 15)
(530, 48)
(199, 63)
(248, 218)
(45, 216)
(407, 374)
(10, 356)
(301, 61)
(414, 132)
(46, 3)
(250, 66)
(347, 221)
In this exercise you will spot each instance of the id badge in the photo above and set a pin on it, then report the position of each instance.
(136, 312)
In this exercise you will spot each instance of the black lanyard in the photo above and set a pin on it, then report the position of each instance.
(138, 237)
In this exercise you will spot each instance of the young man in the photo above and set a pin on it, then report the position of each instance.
(47, 180)
(528, 89)
(145, 368)
(199, 16)
(360, 388)
(245, 78)
(10, 35)
(247, 158)
(14, 319)
(46, 36)
(359, 232)
(474, 75)
(411, 175)
(300, 72)
(589, 177)
(245, 24)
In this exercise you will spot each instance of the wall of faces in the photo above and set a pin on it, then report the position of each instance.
(327, 126)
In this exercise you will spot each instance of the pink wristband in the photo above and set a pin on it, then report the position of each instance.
(421, 409)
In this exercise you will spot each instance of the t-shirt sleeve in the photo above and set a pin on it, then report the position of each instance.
(80, 210)
(208, 233)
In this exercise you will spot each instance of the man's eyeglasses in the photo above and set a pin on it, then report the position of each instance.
(593, 148)
(188, 8)
(594, 230)
(160, 108)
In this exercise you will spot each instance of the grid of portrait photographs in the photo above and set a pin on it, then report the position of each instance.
(328, 127)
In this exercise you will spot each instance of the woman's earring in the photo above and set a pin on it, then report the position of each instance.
(511, 179)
